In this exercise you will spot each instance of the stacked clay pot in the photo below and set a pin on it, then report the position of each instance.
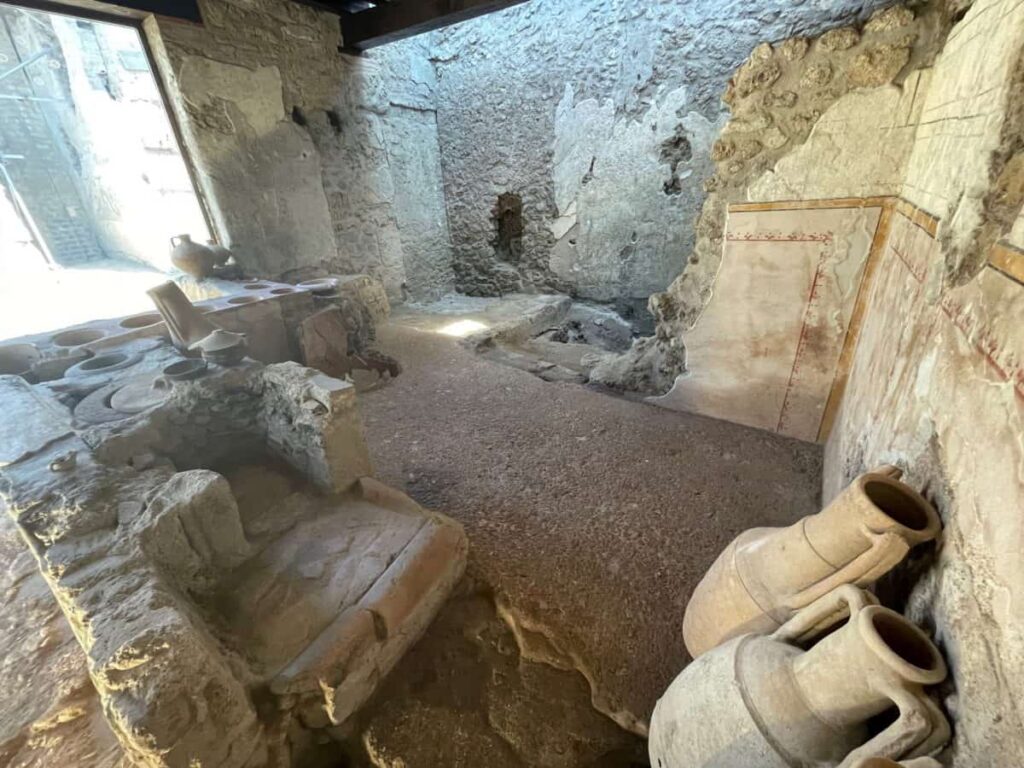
(761, 700)
(766, 574)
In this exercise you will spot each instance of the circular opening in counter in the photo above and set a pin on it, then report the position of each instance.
(17, 359)
(256, 286)
(185, 369)
(242, 300)
(141, 321)
(77, 337)
(102, 362)
(282, 291)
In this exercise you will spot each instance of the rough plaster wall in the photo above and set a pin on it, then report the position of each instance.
(532, 97)
(833, 161)
(922, 396)
(303, 152)
(382, 171)
(952, 170)
(230, 81)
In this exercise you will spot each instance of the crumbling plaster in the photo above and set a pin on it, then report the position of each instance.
(936, 384)
(600, 116)
(311, 161)
(792, 105)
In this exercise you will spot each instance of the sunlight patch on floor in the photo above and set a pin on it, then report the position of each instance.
(462, 328)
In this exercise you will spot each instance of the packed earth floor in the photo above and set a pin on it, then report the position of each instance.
(590, 519)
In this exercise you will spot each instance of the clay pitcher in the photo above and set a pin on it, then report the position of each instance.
(766, 574)
(763, 701)
(222, 254)
(192, 258)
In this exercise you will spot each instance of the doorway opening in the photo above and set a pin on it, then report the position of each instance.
(93, 182)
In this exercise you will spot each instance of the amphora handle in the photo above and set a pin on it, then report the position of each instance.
(885, 552)
(843, 601)
(920, 730)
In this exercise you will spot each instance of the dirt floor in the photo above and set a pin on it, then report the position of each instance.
(590, 519)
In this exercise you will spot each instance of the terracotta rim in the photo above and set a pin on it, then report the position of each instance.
(901, 504)
(185, 369)
(76, 337)
(901, 645)
(111, 361)
(17, 359)
(102, 362)
(144, 320)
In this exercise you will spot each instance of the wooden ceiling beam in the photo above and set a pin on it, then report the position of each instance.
(390, 22)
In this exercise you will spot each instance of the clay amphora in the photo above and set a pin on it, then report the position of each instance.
(186, 324)
(222, 254)
(762, 701)
(766, 574)
(192, 258)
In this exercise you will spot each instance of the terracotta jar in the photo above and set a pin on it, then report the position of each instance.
(766, 574)
(763, 701)
(192, 258)
(222, 254)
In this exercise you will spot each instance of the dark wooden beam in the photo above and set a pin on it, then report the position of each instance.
(115, 10)
(188, 10)
(405, 18)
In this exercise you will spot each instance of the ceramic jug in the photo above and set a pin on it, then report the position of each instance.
(762, 701)
(222, 254)
(766, 574)
(192, 258)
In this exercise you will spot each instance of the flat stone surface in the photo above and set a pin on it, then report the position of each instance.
(40, 420)
(279, 601)
(591, 517)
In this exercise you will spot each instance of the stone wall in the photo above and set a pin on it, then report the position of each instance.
(293, 143)
(599, 118)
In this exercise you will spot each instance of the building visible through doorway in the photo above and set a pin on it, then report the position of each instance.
(92, 180)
